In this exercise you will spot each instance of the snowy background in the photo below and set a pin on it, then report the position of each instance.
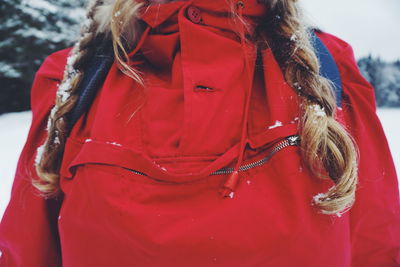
(32, 29)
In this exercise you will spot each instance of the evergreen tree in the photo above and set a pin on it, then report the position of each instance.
(31, 30)
(385, 78)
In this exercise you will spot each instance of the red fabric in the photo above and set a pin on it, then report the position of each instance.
(110, 216)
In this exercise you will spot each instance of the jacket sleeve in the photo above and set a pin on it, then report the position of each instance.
(28, 230)
(375, 216)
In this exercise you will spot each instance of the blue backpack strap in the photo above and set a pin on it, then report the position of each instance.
(94, 76)
(328, 67)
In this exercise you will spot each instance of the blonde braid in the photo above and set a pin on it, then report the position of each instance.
(107, 19)
(49, 155)
(325, 143)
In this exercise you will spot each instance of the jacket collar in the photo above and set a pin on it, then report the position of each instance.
(214, 13)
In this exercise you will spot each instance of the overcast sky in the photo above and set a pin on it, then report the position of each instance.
(370, 26)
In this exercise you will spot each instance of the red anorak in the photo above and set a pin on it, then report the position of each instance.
(141, 189)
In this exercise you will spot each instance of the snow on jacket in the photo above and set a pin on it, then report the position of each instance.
(142, 190)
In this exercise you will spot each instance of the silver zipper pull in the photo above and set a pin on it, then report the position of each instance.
(293, 140)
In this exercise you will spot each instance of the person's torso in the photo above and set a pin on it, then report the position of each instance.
(141, 186)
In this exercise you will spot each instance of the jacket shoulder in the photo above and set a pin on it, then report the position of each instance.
(21, 247)
(343, 54)
(335, 44)
(54, 64)
(47, 78)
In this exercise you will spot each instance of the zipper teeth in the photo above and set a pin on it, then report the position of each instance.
(135, 171)
(292, 140)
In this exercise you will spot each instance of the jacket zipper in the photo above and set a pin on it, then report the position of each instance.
(292, 140)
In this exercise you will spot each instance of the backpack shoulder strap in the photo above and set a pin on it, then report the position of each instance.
(94, 77)
(328, 67)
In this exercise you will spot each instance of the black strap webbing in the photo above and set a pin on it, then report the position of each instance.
(93, 79)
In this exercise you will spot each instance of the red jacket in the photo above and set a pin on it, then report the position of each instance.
(143, 189)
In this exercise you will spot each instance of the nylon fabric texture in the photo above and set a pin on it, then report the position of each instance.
(192, 123)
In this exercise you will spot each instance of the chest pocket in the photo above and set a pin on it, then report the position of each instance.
(116, 160)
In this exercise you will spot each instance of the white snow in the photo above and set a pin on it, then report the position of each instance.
(13, 132)
(163, 168)
(63, 90)
(71, 60)
(40, 4)
(317, 198)
(297, 86)
(9, 71)
(39, 153)
(57, 140)
(390, 121)
(14, 128)
(319, 111)
(117, 14)
(277, 124)
(61, 30)
(113, 143)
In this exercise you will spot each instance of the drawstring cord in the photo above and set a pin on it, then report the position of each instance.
(233, 179)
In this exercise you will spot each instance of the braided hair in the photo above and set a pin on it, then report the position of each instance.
(325, 143)
(94, 30)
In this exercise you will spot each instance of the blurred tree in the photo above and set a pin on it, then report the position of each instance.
(384, 77)
(31, 30)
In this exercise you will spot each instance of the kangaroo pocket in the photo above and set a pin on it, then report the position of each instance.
(171, 169)
(110, 208)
